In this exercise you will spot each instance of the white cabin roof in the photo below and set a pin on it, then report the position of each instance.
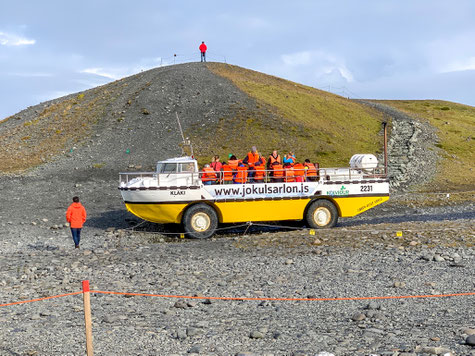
(178, 160)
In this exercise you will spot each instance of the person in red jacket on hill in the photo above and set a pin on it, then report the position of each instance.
(203, 49)
(76, 216)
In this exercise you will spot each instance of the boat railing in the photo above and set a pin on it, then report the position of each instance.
(292, 175)
(173, 178)
(253, 176)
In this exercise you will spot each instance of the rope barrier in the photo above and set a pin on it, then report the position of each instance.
(184, 233)
(249, 298)
(286, 299)
(87, 303)
(39, 299)
(132, 228)
(190, 57)
(330, 231)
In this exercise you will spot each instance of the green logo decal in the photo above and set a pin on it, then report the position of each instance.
(341, 192)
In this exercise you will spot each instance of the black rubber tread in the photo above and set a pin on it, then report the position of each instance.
(321, 203)
(186, 221)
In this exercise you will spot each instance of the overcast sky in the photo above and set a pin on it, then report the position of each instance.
(398, 49)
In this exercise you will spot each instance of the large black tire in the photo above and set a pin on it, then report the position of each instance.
(200, 221)
(321, 214)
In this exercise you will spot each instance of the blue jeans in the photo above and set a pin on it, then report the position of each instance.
(250, 174)
(203, 56)
(76, 235)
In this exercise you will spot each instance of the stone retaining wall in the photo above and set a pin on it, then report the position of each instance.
(412, 154)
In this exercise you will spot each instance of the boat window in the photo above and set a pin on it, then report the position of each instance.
(167, 168)
(187, 167)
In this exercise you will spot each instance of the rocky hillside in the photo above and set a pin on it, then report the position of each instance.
(132, 122)
(128, 122)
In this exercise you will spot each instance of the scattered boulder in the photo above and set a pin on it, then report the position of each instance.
(181, 304)
(468, 331)
(470, 340)
(399, 284)
(256, 335)
(358, 317)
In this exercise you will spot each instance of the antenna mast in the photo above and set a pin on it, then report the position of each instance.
(186, 142)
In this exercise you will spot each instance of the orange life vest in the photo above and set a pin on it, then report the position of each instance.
(252, 158)
(227, 173)
(289, 174)
(241, 175)
(208, 174)
(233, 163)
(277, 171)
(273, 159)
(299, 170)
(259, 173)
(311, 170)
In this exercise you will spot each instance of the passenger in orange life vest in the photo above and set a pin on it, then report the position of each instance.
(289, 173)
(274, 157)
(299, 172)
(260, 173)
(310, 171)
(227, 173)
(241, 174)
(209, 176)
(233, 161)
(252, 159)
(277, 172)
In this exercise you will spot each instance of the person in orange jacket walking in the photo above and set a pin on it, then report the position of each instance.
(203, 49)
(76, 216)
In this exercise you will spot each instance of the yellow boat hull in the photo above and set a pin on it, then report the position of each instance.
(253, 210)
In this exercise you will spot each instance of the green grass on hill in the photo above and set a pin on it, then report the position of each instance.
(455, 124)
(315, 124)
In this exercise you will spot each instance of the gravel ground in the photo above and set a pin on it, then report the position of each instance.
(361, 257)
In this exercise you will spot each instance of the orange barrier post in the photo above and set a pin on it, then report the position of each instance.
(87, 317)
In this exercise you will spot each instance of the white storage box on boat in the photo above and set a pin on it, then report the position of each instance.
(363, 161)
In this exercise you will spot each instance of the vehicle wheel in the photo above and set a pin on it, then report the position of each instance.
(200, 221)
(322, 214)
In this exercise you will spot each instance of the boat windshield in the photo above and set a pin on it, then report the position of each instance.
(167, 168)
(187, 167)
